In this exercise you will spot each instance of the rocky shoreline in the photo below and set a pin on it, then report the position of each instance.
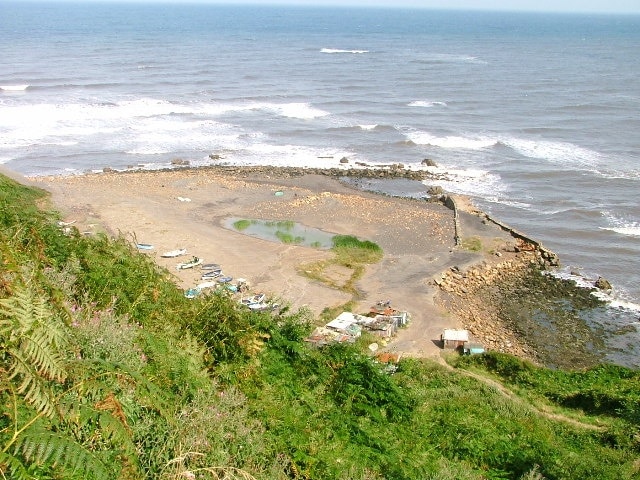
(514, 306)
(392, 170)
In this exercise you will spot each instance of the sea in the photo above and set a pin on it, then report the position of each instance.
(535, 116)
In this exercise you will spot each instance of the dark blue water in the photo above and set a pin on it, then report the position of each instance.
(535, 116)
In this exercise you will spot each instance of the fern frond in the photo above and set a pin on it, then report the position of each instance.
(31, 327)
(60, 452)
(31, 337)
(13, 466)
(36, 347)
(35, 392)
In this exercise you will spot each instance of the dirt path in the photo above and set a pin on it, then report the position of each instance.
(507, 393)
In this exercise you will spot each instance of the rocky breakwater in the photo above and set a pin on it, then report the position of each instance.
(395, 170)
(475, 295)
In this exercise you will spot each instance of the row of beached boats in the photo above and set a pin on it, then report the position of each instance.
(212, 277)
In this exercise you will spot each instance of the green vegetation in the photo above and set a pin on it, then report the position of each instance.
(283, 224)
(242, 224)
(285, 237)
(108, 371)
(473, 244)
(350, 254)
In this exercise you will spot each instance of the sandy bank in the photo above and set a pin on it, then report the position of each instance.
(188, 208)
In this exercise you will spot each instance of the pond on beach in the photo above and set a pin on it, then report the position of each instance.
(287, 231)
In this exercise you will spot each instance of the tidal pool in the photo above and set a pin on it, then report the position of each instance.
(282, 232)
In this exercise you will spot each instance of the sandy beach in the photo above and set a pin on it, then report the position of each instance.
(188, 208)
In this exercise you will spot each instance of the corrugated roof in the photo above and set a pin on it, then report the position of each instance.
(456, 335)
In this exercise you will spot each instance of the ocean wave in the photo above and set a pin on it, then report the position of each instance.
(139, 126)
(368, 127)
(451, 142)
(555, 152)
(302, 111)
(623, 226)
(450, 58)
(469, 181)
(292, 155)
(613, 298)
(14, 88)
(426, 104)
(148, 150)
(338, 50)
(633, 231)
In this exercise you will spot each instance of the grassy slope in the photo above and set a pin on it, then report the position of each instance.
(107, 371)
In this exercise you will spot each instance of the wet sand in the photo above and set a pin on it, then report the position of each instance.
(187, 208)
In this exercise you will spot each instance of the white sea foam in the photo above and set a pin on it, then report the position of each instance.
(143, 126)
(368, 127)
(158, 135)
(555, 152)
(451, 58)
(633, 231)
(452, 142)
(620, 225)
(426, 104)
(613, 298)
(296, 110)
(293, 156)
(469, 181)
(339, 50)
(14, 88)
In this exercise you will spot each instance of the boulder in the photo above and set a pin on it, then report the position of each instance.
(344, 160)
(429, 163)
(179, 161)
(602, 284)
(436, 190)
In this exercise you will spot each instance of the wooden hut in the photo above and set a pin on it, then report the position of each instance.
(453, 339)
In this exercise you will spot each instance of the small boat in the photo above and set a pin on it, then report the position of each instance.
(211, 275)
(174, 253)
(210, 266)
(144, 246)
(192, 293)
(257, 298)
(224, 279)
(190, 264)
(203, 285)
(263, 306)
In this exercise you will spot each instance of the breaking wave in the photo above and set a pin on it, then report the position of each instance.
(338, 50)
(555, 152)
(450, 141)
(426, 104)
(621, 226)
(14, 88)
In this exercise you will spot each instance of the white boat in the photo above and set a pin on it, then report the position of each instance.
(211, 275)
(257, 298)
(263, 306)
(190, 264)
(174, 253)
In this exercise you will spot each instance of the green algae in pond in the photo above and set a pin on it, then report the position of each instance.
(241, 225)
(286, 231)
